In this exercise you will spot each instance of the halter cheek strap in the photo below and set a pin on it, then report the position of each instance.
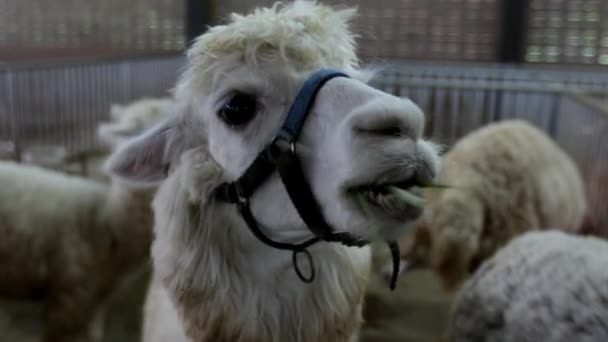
(280, 155)
(302, 104)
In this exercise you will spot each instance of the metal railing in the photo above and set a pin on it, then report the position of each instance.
(588, 79)
(61, 103)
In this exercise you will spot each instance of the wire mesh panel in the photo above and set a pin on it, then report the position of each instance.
(434, 29)
(429, 29)
(42, 28)
(568, 31)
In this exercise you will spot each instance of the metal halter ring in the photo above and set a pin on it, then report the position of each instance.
(294, 260)
(241, 199)
(279, 141)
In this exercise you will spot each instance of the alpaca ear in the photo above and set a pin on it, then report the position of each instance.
(146, 159)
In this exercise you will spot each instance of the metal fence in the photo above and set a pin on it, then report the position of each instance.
(62, 103)
(581, 79)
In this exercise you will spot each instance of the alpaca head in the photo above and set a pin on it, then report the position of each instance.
(239, 83)
(130, 120)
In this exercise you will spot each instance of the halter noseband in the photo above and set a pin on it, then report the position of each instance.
(280, 155)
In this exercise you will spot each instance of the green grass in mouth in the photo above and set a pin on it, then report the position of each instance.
(408, 197)
(405, 195)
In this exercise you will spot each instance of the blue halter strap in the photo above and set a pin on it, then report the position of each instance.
(265, 163)
(302, 104)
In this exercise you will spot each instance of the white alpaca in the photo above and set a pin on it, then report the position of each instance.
(52, 157)
(71, 242)
(241, 78)
(507, 178)
(132, 119)
(545, 286)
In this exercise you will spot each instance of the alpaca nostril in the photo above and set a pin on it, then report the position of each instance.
(383, 131)
(383, 128)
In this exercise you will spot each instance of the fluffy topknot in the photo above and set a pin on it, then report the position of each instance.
(304, 35)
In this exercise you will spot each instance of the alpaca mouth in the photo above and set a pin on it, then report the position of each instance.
(401, 201)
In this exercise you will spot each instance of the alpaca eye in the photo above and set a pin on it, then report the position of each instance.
(239, 110)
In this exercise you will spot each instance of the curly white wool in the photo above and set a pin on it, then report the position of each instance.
(71, 241)
(507, 178)
(542, 286)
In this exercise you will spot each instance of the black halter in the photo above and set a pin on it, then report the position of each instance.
(280, 155)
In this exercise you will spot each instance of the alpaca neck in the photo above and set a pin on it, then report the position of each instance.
(228, 286)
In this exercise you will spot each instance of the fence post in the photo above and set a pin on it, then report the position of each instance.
(126, 81)
(199, 14)
(554, 114)
(513, 27)
(10, 92)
